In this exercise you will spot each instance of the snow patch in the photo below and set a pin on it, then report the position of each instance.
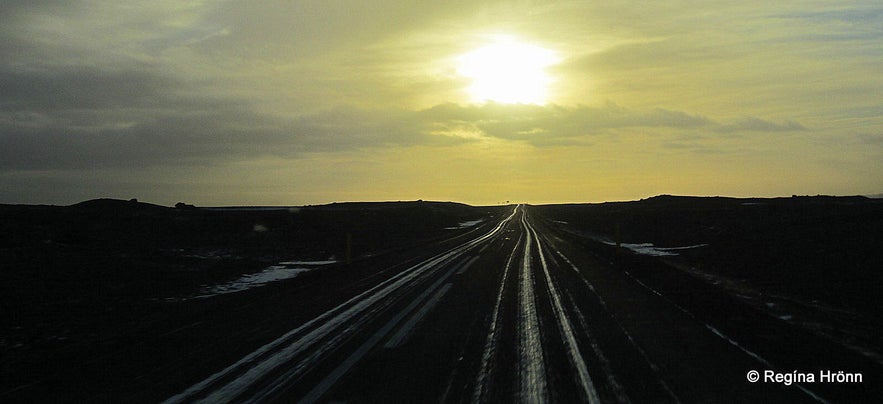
(207, 254)
(464, 225)
(650, 249)
(311, 263)
(273, 273)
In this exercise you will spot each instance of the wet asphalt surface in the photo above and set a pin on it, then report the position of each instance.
(511, 310)
(516, 311)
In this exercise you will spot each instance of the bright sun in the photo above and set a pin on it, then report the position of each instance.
(508, 71)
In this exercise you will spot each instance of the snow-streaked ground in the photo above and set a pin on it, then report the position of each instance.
(464, 225)
(650, 249)
(273, 273)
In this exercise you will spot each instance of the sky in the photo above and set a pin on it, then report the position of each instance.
(222, 102)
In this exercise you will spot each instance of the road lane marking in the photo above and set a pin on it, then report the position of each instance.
(490, 344)
(604, 363)
(714, 330)
(257, 365)
(322, 387)
(723, 336)
(591, 394)
(625, 332)
(531, 366)
(405, 331)
(466, 265)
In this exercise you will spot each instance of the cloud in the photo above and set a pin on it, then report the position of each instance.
(81, 118)
(851, 24)
(754, 124)
(542, 125)
(80, 87)
(40, 132)
(347, 128)
(646, 55)
(115, 88)
(875, 140)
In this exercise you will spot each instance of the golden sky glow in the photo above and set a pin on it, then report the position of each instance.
(281, 102)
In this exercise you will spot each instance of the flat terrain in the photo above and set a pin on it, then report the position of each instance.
(669, 299)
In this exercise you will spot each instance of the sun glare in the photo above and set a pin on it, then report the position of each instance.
(508, 71)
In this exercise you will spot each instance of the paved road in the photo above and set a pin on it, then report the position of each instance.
(518, 312)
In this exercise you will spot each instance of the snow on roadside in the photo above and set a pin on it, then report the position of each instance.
(650, 249)
(464, 225)
(311, 263)
(273, 273)
(837, 324)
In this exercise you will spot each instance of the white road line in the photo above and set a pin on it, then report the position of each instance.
(318, 353)
(466, 265)
(260, 370)
(692, 316)
(249, 359)
(405, 331)
(256, 365)
(625, 332)
(603, 362)
(723, 336)
(490, 344)
(591, 395)
(322, 387)
(531, 366)
(239, 385)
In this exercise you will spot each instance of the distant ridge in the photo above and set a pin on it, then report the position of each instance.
(666, 197)
(370, 205)
(119, 204)
(345, 206)
(115, 204)
(666, 200)
(658, 200)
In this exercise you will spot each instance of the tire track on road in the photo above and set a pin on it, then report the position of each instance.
(724, 337)
(333, 327)
(650, 363)
(590, 394)
(485, 371)
(533, 386)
